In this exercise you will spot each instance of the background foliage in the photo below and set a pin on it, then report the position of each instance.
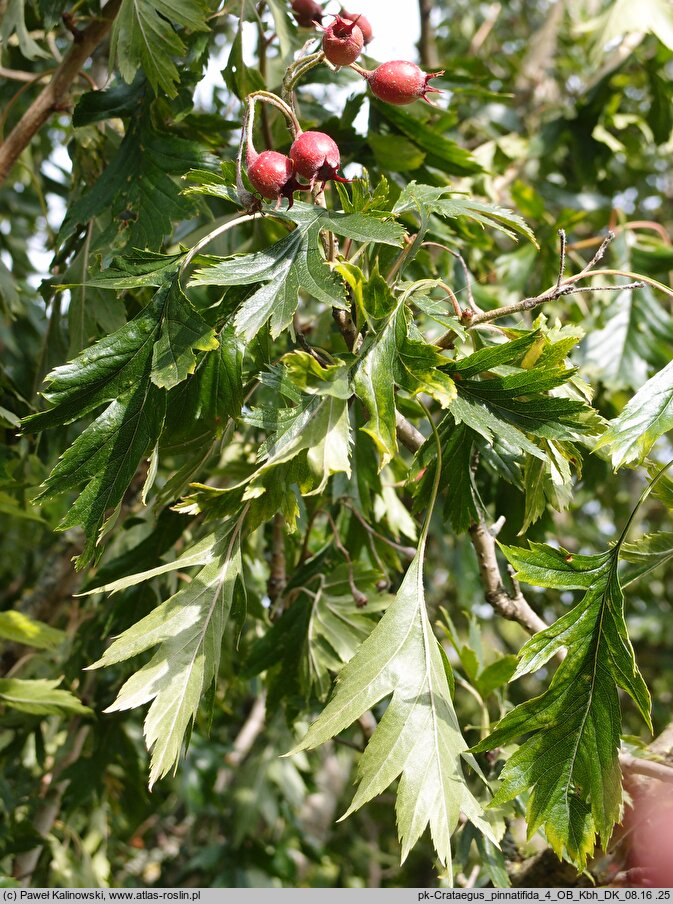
(228, 471)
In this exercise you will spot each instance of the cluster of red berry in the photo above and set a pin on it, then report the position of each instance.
(314, 156)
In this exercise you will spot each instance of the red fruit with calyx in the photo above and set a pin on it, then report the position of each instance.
(271, 174)
(316, 157)
(306, 12)
(342, 42)
(400, 82)
(362, 23)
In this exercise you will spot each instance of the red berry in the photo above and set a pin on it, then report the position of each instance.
(342, 42)
(316, 157)
(400, 82)
(362, 23)
(270, 174)
(306, 12)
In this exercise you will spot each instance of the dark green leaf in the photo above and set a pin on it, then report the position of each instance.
(239, 78)
(143, 38)
(119, 100)
(570, 756)
(137, 189)
(440, 152)
(648, 553)
(295, 262)
(426, 200)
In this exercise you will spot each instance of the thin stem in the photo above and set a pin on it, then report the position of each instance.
(562, 257)
(268, 98)
(18, 75)
(401, 257)
(295, 72)
(599, 255)
(527, 304)
(359, 69)
(358, 595)
(639, 276)
(404, 550)
(244, 141)
(641, 499)
(468, 279)
(435, 483)
(224, 227)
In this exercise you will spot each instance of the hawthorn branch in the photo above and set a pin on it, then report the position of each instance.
(512, 607)
(411, 438)
(53, 95)
(650, 768)
(242, 744)
(562, 287)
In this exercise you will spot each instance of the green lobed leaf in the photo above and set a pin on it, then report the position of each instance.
(118, 101)
(549, 481)
(14, 22)
(569, 760)
(320, 631)
(240, 78)
(517, 405)
(129, 370)
(549, 566)
(105, 457)
(650, 552)
(20, 628)
(418, 740)
(40, 697)
(313, 378)
(160, 340)
(374, 384)
(143, 38)
(646, 417)
(390, 356)
(135, 270)
(440, 152)
(637, 335)
(201, 553)
(187, 630)
(183, 332)
(294, 263)
(427, 199)
(138, 188)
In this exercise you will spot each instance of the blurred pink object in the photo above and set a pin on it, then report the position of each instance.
(650, 826)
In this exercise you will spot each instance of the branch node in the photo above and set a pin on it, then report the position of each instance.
(69, 21)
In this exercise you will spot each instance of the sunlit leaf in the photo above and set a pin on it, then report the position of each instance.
(187, 629)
